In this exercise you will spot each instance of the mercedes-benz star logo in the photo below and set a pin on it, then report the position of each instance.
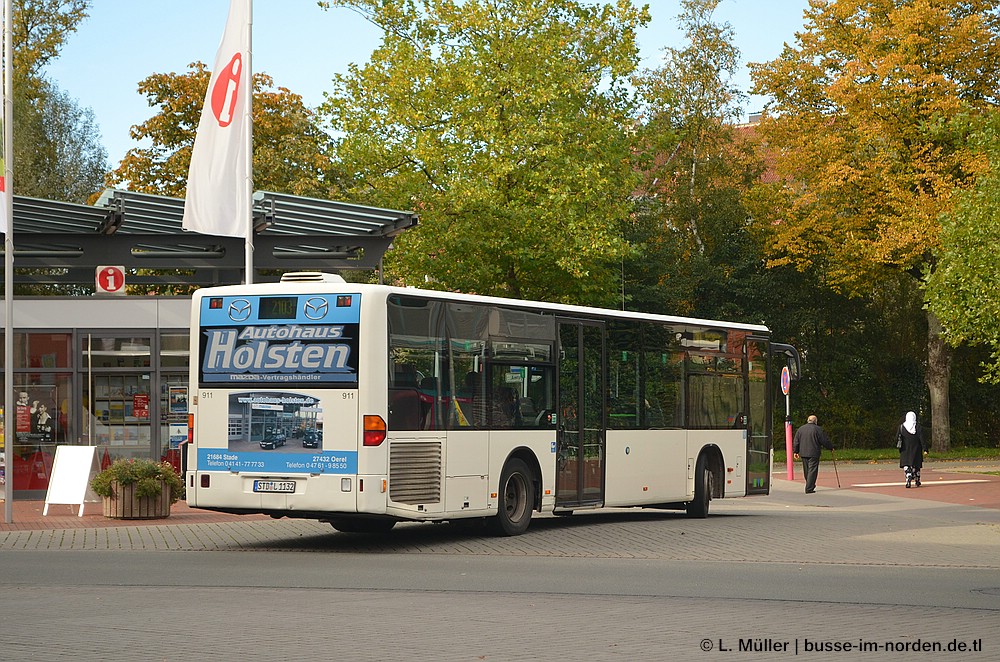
(239, 310)
(316, 308)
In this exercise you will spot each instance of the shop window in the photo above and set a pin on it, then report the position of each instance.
(42, 350)
(174, 350)
(115, 352)
(173, 415)
(40, 424)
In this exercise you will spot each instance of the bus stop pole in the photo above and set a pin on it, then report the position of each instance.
(788, 443)
(786, 384)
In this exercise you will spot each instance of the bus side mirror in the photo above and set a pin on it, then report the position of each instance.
(791, 358)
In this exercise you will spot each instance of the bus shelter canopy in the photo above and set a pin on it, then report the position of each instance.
(64, 243)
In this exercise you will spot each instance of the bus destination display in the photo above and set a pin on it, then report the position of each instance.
(277, 308)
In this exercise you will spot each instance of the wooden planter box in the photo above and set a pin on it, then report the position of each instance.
(124, 504)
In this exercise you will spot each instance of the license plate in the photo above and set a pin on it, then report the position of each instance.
(274, 486)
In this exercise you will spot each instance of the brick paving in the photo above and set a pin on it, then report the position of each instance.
(962, 483)
(27, 516)
(865, 521)
(861, 529)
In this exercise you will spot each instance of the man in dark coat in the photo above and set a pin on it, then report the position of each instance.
(809, 442)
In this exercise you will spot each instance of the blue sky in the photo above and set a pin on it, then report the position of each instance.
(301, 47)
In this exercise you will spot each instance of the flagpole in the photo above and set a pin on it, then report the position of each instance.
(248, 124)
(8, 266)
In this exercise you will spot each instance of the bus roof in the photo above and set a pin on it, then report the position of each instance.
(386, 290)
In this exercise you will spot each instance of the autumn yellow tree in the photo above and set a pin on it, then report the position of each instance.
(291, 153)
(872, 107)
(39, 29)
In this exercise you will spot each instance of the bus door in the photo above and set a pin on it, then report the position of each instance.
(581, 425)
(759, 416)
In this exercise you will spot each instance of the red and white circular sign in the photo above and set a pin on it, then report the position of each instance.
(226, 90)
(110, 280)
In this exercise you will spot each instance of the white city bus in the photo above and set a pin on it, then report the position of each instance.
(364, 405)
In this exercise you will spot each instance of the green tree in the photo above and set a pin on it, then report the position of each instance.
(504, 123)
(57, 147)
(962, 290)
(57, 150)
(695, 253)
(58, 153)
(291, 153)
(872, 108)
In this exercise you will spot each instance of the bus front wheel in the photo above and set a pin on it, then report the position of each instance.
(703, 478)
(516, 497)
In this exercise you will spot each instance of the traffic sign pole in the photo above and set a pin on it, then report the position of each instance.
(785, 388)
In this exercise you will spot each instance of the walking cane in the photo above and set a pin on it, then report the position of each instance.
(836, 473)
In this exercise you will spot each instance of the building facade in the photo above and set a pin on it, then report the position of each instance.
(111, 370)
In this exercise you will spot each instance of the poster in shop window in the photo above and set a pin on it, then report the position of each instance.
(140, 406)
(178, 400)
(36, 416)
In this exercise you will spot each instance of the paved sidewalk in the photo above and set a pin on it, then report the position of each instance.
(952, 521)
(958, 482)
(27, 516)
(963, 483)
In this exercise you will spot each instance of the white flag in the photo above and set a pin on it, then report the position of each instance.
(218, 193)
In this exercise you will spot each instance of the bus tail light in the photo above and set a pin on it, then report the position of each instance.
(374, 430)
(190, 428)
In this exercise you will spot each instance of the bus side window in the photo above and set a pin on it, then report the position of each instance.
(430, 403)
(528, 411)
(506, 411)
(404, 409)
(540, 389)
(404, 375)
(404, 399)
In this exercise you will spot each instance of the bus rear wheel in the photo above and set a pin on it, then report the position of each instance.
(362, 525)
(703, 479)
(516, 497)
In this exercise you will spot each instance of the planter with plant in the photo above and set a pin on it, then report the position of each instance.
(138, 489)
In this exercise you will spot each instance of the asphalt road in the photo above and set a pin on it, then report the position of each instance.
(845, 574)
(265, 605)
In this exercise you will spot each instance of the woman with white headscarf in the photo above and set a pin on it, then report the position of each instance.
(912, 448)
